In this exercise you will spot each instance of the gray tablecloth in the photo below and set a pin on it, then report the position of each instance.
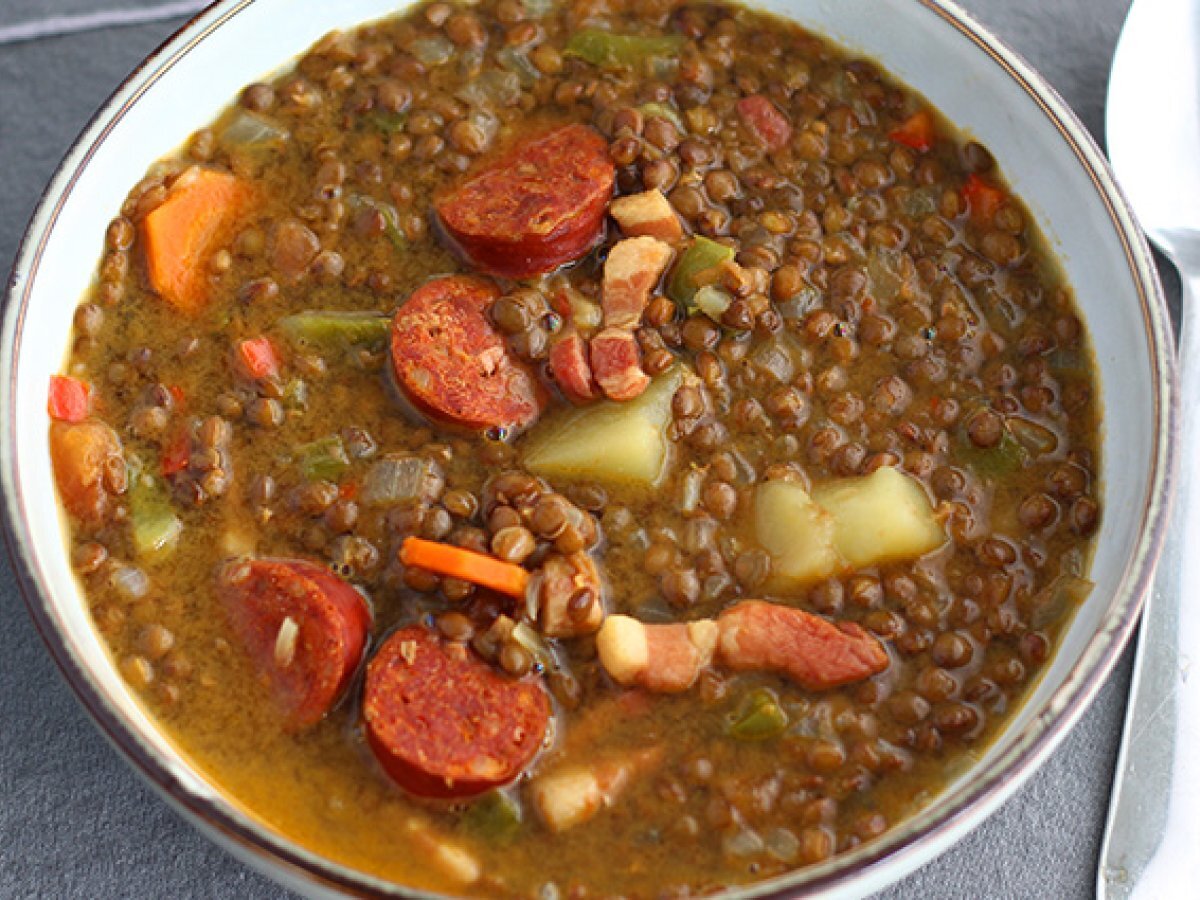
(74, 819)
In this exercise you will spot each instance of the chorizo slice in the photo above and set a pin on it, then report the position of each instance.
(453, 365)
(89, 466)
(570, 369)
(617, 364)
(304, 629)
(539, 206)
(633, 268)
(443, 723)
(815, 653)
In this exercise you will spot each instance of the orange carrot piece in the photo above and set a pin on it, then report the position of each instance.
(258, 357)
(180, 236)
(916, 131)
(69, 399)
(983, 199)
(446, 559)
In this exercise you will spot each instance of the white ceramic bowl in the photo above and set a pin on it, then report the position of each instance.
(932, 46)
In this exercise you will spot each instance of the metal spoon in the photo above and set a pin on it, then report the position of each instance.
(1152, 838)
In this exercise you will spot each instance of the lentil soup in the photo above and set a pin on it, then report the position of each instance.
(585, 449)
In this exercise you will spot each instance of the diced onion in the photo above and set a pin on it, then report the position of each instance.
(492, 88)
(401, 479)
(432, 51)
(249, 130)
(130, 582)
(712, 301)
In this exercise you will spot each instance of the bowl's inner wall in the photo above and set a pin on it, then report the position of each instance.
(971, 89)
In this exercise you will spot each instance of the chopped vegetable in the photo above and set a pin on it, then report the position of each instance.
(387, 122)
(712, 301)
(401, 478)
(982, 199)
(391, 219)
(664, 111)
(491, 89)
(432, 51)
(616, 51)
(251, 131)
(69, 399)
(88, 464)
(518, 63)
(257, 357)
(1051, 603)
(624, 443)
(156, 528)
(446, 559)
(180, 235)
(323, 459)
(915, 132)
(331, 330)
(701, 255)
(496, 817)
(759, 717)
(880, 517)
(1037, 439)
(1006, 457)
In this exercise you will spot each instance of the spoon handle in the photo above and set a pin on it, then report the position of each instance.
(1152, 838)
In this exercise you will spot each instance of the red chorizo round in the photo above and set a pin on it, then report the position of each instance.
(443, 723)
(539, 206)
(453, 365)
(304, 629)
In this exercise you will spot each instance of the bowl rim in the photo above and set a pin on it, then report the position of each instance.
(903, 848)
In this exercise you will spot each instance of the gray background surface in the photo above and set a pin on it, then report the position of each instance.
(74, 819)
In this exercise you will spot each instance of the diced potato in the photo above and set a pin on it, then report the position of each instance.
(796, 532)
(623, 649)
(622, 443)
(881, 517)
(567, 797)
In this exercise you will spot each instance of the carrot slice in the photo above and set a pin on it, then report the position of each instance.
(983, 199)
(446, 559)
(180, 235)
(258, 357)
(68, 399)
(916, 131)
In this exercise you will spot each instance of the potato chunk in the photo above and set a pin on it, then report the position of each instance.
(881, 517)
(797, 533)
(621, 443)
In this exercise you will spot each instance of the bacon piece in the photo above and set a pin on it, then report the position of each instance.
(617, 364)
(633, 268)
(570, 369)
(647, 214)
(660, 658)
(563, 577)
(812, 651)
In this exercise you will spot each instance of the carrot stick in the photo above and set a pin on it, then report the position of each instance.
(180, 236)
(446, 559)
